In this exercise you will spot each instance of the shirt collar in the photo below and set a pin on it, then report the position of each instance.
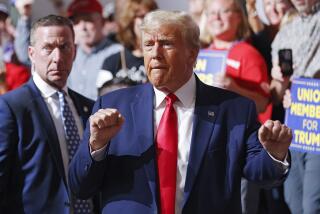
(186, 93)
(45, 89)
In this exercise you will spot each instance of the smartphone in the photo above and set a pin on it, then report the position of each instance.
(285, 61)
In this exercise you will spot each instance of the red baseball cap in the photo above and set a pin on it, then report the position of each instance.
(84, 6)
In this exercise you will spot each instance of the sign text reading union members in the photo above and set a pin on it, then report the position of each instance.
(303, 116)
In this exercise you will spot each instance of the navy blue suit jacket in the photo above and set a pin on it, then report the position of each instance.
(32, 177)
(224, 147)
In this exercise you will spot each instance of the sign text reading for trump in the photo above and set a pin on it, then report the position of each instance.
(303, 116)
(210, 62)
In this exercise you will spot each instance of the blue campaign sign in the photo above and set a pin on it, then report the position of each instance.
(210, 62)
(303, 116)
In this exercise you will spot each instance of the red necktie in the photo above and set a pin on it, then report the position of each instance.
(167, 146)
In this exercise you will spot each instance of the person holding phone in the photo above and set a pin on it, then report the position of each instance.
(285, 62)
(301, 36)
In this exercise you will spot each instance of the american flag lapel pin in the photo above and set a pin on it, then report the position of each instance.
(211, 113)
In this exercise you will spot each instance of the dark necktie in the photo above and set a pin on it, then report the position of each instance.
(73, 140)
(167, 146)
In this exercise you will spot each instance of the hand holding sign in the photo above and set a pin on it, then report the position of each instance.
(222, 81)
(303, 114)
(275, 138)
(210, 63)
(287, 99)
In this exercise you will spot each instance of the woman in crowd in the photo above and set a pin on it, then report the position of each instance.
(196, 9)
(276, 13)
(246, 71)
(301, 35)
(129, 62)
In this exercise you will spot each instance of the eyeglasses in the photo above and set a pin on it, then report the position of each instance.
(221, 13)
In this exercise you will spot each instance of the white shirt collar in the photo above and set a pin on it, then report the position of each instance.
(186, 93)
(45, 89)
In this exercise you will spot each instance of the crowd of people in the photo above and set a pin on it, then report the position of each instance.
(101, 110)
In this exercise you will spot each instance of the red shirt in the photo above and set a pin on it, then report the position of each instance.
(248, 69)
(16, 75)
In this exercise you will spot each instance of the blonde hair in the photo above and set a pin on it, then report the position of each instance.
(243, 31)
(288, 16)
(181, 20)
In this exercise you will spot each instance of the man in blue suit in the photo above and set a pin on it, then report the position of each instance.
(125, 156)
(33, 144)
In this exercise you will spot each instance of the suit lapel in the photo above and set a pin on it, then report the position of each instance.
(142, 114)
(203, 125)
(83, 110)
(48, 127)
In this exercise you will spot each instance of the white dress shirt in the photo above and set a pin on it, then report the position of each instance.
(51, 98)
(184, 107)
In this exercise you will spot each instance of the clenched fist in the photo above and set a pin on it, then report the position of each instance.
(275, 138)
(104, 125)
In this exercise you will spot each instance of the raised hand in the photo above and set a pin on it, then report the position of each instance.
(275, 138)
(104, 125)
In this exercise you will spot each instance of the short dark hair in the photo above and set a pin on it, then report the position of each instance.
(50, 20)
